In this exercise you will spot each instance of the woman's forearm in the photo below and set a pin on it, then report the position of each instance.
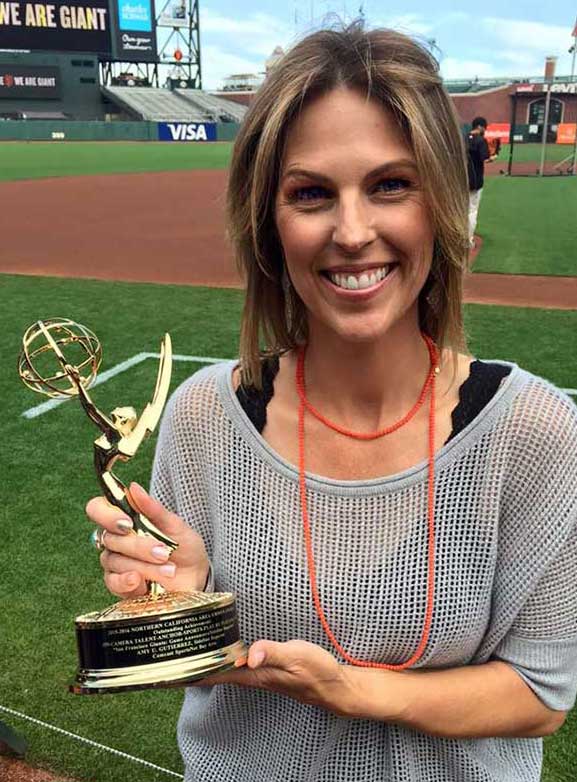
(469, 702)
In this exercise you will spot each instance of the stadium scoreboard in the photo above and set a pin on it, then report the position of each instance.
(112, 29)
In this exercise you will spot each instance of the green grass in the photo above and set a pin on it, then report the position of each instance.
(35, 160)
(541, 341)
(528, 226)
(50, 574)
(531, 153)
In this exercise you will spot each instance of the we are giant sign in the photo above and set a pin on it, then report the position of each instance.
(29, 81)
(72, 25)
(186, 131)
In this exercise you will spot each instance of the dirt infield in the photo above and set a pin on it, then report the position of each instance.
(139, 227)
(522, 291)
(168, 228)
(14, 770)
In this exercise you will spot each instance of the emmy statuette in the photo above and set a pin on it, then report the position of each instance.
(163, 639)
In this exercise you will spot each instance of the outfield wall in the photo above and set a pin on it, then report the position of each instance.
(189, 132)
(53, 130)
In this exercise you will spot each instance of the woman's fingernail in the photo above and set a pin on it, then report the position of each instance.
(124, 526)
(160, 552)
(168, 570)
(257, 659)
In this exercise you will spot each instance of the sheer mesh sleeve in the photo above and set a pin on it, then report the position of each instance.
(180, 452)
(161, 486)
(541, 644)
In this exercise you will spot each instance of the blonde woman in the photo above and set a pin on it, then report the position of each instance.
(396, 518)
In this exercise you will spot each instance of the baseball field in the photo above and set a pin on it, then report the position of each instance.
(128, 239)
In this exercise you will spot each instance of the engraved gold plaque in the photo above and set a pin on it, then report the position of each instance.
(163, 639)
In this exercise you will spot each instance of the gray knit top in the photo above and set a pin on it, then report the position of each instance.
(505, 588)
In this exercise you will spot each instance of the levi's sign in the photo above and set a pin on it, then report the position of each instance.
(186, 131)
(569, 88)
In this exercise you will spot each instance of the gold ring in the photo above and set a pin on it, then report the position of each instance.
(97, 538)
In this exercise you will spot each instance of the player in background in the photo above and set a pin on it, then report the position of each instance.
(478, 154)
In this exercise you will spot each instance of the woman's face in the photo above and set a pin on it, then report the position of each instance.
(352, 219)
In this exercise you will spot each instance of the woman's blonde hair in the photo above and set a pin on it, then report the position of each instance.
(403, 76)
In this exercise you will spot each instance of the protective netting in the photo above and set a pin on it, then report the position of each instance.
(543, 123)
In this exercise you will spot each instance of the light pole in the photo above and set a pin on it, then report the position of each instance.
(573, 50)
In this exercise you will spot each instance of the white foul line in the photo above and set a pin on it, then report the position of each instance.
(90, 742)
(44, 407)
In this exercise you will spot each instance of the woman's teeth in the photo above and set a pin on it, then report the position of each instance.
(353, 282)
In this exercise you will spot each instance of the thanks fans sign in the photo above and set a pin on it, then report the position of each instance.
(72, 25)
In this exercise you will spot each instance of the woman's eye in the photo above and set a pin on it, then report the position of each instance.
(392, 185)
(310, 193)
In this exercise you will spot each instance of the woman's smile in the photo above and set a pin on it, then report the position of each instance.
(359, 284)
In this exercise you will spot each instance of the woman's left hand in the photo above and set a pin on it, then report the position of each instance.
(299, 669)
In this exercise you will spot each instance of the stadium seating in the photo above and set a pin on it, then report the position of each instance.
(155, 104)
(458, 87)
(215, 109)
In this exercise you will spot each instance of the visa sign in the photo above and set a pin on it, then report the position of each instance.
(186, 131)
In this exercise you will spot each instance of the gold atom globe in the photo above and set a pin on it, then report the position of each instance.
(56, 350)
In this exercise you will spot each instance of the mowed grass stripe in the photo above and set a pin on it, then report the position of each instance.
(531, 153)
(44, 158)
(528, 226)
(50, 571)
(35, 160)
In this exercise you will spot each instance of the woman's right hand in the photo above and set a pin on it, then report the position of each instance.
(130, 560)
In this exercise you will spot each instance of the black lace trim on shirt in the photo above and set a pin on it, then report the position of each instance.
(254, 401)
(477, 390)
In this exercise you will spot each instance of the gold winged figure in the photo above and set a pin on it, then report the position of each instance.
(122, 434)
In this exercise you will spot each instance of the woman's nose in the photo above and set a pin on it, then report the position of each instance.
(353, 227)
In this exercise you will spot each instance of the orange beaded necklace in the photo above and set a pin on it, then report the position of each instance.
(304, 405)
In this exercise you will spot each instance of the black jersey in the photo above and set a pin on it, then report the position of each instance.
(477, 153)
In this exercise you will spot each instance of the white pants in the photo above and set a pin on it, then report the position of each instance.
(474, 201)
